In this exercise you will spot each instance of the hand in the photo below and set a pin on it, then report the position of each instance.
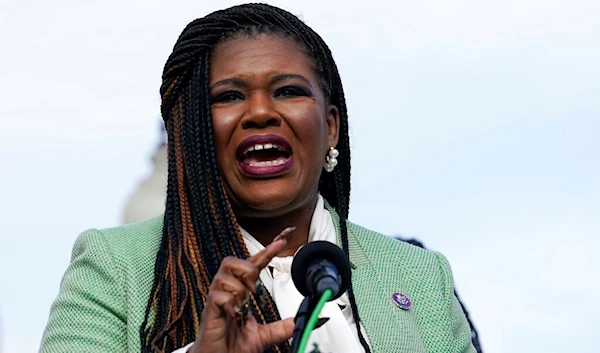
(219, 330)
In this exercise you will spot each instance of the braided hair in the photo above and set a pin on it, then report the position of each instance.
(200, 228)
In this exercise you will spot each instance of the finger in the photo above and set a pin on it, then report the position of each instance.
(232, 284)
(263, 257)
(276, 332)
(219, 304)
(242, 270)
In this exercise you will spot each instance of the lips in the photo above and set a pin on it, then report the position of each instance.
(264, 155)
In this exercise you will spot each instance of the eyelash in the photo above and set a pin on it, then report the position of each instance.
(291, 91)
(285, 91)
(227, 96)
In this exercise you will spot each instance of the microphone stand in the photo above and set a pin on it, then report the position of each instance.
(304, 311)
(310, 306)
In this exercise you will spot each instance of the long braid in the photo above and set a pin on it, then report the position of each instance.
(335, 187)
(200, 228)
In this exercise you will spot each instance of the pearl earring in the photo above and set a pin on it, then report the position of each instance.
(331, 159)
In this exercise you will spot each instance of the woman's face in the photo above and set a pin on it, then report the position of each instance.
(272, 124)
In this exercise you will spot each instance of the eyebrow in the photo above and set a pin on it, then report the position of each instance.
(283, 77)
(229, 81)
(236, 81)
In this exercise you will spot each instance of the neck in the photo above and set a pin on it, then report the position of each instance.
(266, 229)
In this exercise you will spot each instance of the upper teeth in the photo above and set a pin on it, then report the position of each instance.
(259, 147)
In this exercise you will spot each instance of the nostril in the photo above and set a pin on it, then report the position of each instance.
(273, 122)
(256, 122)
(249, 124)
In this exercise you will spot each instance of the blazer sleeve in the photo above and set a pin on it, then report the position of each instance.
(89, 313)
(459, 326)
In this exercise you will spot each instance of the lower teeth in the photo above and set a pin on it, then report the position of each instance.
(267, 163)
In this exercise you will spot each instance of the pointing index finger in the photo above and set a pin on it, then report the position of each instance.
(262, 258)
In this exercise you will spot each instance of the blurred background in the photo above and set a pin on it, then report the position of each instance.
(475, 128)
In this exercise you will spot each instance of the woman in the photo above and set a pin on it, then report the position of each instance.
(257, 142)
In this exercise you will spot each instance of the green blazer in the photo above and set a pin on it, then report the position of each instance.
(104, 292)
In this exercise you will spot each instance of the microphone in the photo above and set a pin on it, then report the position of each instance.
(321, 265)
(317, 266)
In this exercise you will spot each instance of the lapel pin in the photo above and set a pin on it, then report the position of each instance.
(401, 301)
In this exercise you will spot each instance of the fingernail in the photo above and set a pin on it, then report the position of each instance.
(284, 233)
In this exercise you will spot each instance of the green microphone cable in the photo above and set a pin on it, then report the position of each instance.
(312, 321)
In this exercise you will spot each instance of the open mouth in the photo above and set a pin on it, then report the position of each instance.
(264, 154)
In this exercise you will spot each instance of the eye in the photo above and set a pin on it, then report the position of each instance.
(226, 97)
(291, 91)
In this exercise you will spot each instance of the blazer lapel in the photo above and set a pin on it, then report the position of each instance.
(389, 328)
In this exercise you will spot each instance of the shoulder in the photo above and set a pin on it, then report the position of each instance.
(135, 237)
(377, 245)
(399, 258)
(104, 289)
(123, 247)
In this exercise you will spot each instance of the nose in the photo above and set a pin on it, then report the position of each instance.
(261, 112)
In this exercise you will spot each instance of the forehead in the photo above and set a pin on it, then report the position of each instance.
(260, 55)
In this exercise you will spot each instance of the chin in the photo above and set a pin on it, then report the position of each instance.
(272, 204)
(267, 206)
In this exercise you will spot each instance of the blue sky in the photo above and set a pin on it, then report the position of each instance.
(474, 128)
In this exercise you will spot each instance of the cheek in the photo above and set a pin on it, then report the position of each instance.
(224, 122)
(309, 124)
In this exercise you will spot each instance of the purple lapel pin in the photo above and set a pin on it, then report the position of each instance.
(401, 301)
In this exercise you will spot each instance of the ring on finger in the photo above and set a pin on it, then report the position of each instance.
(241, 314)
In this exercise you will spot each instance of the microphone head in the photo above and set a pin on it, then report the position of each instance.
(320, 250)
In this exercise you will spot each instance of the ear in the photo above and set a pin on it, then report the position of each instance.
(333, 126)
